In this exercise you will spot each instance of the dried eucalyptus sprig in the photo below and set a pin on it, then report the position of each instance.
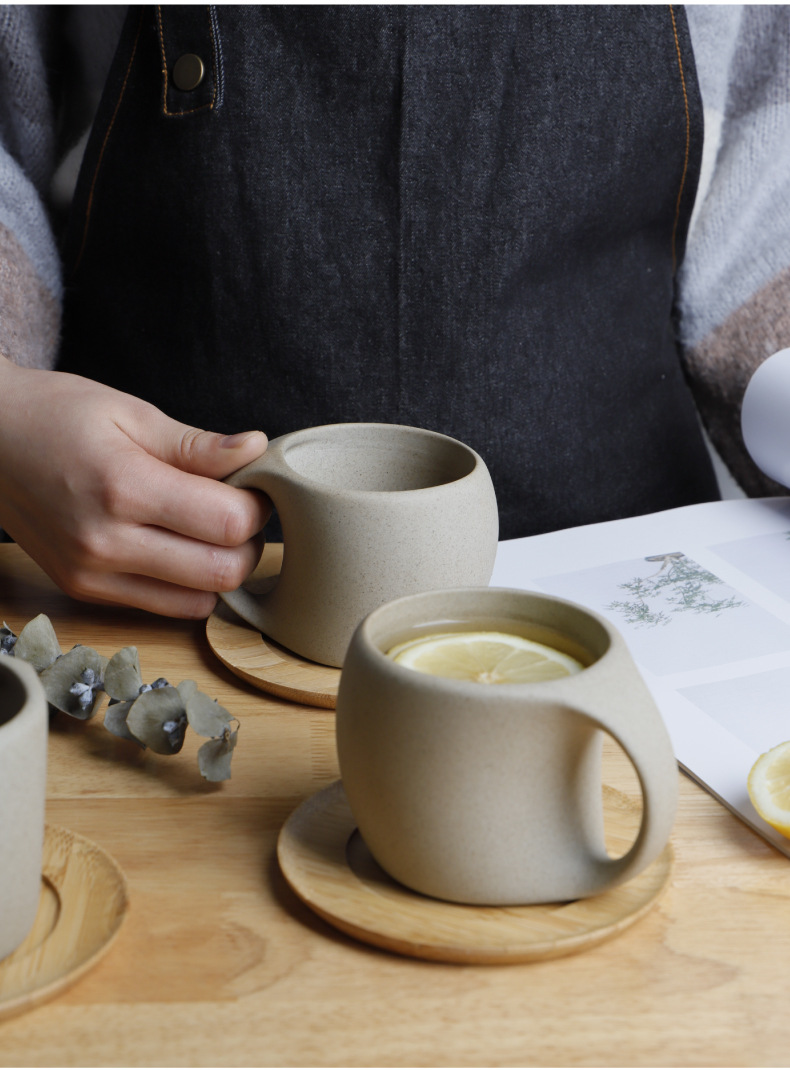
(151, 715)
(156, 715)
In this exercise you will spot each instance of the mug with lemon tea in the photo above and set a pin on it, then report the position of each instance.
(469, 734)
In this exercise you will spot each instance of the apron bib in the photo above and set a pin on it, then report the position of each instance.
(461, 218)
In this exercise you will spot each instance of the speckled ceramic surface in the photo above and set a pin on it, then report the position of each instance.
(369, 512)
(491, 794)
(23, 775)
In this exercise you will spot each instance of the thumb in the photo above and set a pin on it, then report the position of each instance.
(205, 453)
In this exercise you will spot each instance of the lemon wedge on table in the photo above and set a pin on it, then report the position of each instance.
(484, 657)
(769, 787)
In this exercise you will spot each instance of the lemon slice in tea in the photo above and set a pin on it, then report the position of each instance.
(485, 657)
(769, 787)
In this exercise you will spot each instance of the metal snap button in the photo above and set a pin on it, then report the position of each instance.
(188, 72)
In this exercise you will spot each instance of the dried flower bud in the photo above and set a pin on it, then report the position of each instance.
(149, 714)
(84, 688)
(7, 640)
(74, 682)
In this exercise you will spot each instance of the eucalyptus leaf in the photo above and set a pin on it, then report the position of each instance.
(215, 755)
(74, 683)
(123, 678)
(158, 720)
(206, 716)
(187, 689)
(38, 644)
(115, 721)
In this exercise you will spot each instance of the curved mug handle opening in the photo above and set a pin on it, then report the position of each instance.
(656, 768)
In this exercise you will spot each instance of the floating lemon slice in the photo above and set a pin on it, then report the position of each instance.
(769, 787)
(485, 657)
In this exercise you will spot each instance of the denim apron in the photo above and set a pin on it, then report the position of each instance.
(461, 218)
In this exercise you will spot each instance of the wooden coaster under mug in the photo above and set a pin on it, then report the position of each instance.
(259, 660)
(329, 867)
(255, 658)
(81, 908)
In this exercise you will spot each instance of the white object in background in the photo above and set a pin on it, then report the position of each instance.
(765, 417)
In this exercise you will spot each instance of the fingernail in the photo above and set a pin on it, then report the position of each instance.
(232, 442)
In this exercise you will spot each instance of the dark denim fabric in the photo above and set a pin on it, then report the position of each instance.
(461, 218)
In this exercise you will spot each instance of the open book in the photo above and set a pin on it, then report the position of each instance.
(701, 595)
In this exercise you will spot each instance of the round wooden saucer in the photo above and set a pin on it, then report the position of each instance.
(82, 905)
(327, 864)
(262, 662)
(259, 660)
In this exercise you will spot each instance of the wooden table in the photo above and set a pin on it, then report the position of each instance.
(218, 963)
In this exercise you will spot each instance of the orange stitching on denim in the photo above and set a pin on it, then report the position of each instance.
(200, 107)
(214, 56)
(688, 139)
(164, 56)
(89, 205)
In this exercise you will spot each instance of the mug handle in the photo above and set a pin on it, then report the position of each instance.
(610, 704)
(254, 609)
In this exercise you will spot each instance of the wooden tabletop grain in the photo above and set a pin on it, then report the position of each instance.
(219, 964)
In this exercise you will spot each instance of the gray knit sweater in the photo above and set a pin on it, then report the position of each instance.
(733, 287)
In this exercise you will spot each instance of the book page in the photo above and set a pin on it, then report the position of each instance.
(701, 595)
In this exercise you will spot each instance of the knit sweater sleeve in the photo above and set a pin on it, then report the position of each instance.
(734, 284)
(30, 277)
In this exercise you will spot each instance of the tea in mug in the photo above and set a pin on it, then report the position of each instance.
(485, 657)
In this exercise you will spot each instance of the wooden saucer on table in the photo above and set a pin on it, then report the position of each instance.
(259, 660)
(329, 867)
(82, 905)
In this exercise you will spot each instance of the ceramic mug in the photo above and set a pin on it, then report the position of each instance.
(369, 512)
(490, 794)
(23, 773)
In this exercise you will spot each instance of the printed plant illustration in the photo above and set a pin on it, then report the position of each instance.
(678, 585)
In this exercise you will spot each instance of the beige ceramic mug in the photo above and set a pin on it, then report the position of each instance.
(491, 794)
(23, 773)
(369, 512)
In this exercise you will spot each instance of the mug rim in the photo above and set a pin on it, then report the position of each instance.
(30, 683)
(282, 443)
(472, 688)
